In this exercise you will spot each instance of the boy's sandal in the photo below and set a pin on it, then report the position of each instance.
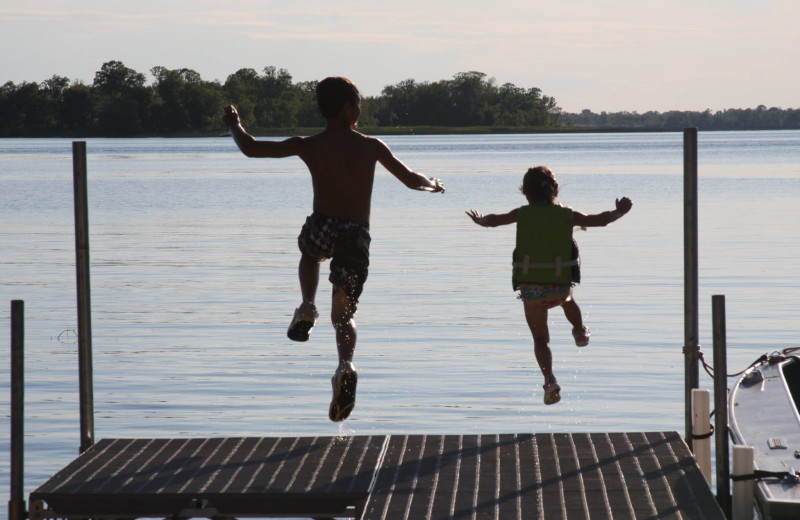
(552, 393)
(304, 318)
(344, 383)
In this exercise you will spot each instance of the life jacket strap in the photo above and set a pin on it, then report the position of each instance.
(526, 265)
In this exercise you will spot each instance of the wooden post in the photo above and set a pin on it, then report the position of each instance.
(16, 505)
(691, 345)
(702, 427)
(743, 489)
(84, 295)
(721, 404)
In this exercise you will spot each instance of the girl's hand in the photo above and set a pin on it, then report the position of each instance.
(476, 217)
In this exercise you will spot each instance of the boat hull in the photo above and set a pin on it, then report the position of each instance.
(764, 414)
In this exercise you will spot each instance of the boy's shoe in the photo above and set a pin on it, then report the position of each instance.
(581, 336)
(304, 318)
(552, 393)
(344, 392)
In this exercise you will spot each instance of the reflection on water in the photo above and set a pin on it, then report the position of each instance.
(194, 263)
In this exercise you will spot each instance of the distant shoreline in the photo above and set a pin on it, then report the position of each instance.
(471, 130)
(407, 130)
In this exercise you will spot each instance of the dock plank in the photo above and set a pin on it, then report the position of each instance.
(490, 476)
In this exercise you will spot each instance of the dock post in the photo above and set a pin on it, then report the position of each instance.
(701, 431)
(721, 403)
(691, 345)
(16, 504)
(84, 295)
(743, 489)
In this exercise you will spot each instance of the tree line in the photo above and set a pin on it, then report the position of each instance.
(179, 102)
(759, 118)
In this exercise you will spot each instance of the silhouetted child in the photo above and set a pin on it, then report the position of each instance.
(342, 166)
(546, 262)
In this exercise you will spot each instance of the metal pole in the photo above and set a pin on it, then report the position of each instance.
(16, 506)
(721, 404)
(691, 345)
(84, 295)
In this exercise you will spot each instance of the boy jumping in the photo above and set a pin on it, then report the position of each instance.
(342, 162)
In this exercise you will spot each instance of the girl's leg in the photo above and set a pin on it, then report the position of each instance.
(573, 313)
(537, 322)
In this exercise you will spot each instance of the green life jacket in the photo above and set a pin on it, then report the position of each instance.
(544, 252)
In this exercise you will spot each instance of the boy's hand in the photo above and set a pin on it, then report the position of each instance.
(231, 116)
(437, 187)
(624, 205)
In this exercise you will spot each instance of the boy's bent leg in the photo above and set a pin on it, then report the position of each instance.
(308, 273)
(345, 378)
(306, 315)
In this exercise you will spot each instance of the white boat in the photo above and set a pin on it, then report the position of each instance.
(763, 413)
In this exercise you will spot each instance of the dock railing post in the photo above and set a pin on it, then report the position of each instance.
(721, 403)
(743, 489)
(701, 431)
(85, 377)
(691, 345)
(16, 504)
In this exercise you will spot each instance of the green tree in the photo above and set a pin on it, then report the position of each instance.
(32, 112)
(78, 113)
(307, 113)
(183, 103)
(471, 94)
(123, 100)
(115, 78)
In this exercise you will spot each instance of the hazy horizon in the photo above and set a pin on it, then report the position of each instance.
(618, 56)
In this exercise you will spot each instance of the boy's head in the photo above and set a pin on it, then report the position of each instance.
(539, 185)
(333, 93)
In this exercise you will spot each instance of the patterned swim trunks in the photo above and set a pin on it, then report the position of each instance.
(346, 243)
(544, 296)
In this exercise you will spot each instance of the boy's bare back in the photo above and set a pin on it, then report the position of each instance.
(341, 162)
(342, 167)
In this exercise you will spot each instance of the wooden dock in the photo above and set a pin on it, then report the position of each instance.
(497, 476)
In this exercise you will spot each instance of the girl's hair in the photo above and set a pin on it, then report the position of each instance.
(333, 93)
(540, 185)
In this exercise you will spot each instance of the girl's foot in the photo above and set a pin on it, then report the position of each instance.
(581, 336)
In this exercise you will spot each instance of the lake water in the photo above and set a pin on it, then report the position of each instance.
(193, 276)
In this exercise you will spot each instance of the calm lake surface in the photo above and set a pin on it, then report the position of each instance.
(193, 276)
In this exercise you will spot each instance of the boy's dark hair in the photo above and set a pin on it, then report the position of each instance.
(539, 185)
(333, 93)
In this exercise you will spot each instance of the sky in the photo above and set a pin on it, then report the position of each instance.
(601, 55)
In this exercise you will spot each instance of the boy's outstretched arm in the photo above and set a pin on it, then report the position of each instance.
(493, 219)
(254, 148)
(623, 206)
(412, 179)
